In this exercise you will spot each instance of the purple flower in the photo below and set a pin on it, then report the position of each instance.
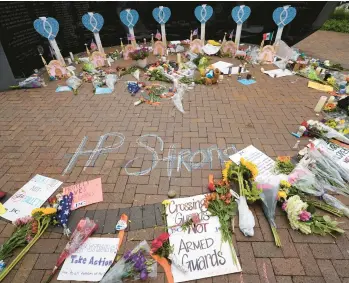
(127, 255)
(284, 205)
(304, 216)
(144, 274)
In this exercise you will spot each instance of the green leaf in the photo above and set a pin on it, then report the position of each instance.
(327, 218)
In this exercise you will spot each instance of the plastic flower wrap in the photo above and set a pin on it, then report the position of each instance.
(74, 83)
(134, 265)
(321, 130)
(84, 229)
(303, 220)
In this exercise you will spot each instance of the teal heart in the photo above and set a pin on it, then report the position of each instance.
(203, 13)
(284, 15)
(240, 14)
(129, 17)
(47, 27)
(93, 22)
(162, 14)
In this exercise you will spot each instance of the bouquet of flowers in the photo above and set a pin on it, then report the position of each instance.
(303, 220)
(31, 228)
(320, 130)
(220, 203)
(244, 174)
(134, 265)
(283, 165)
(140, 54)
(161, 245)
(83, 230)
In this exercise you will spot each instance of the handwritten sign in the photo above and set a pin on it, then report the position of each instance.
(263, 162)
(85, 193)
(200, 250)
(32, 195)
(91, 261)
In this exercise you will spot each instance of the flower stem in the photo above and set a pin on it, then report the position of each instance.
(276, 236)
(25, 250)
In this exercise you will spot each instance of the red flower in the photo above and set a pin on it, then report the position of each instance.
(155, 245)
(195, 218)
(52, 200)
(163, 237)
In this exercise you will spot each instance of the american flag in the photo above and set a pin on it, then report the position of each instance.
(231, 35)
(195, 32)
(158, 35)
(130, 37)
(64, 209)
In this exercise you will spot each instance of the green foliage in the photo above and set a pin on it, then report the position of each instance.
(336, 25)
(340, 14)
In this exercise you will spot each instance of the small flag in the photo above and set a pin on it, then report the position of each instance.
(130, 37)
(195, 32)
(268, 36)
(231, 34)
(158, 35)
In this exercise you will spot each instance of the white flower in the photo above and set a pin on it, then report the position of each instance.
(294, 207)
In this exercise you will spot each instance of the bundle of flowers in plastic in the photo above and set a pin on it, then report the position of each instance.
(320, 130)
(304, 180)
(302, 219)
(136, 264)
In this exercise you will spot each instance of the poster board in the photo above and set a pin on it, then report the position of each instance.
(91, 261)
(199, 249)
(85, 193)
(32, 195)
(263, 162)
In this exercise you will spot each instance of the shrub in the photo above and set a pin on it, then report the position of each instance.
(336, 25)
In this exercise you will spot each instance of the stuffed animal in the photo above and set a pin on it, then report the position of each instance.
(212, 80)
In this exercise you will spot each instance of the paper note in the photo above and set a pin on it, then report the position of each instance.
(319, 86)
(199, 249)
(32, 195)
(85, 193)
(263, 162)
(91, 261)
(277, 73)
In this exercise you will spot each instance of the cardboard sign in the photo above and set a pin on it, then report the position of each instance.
(263, 162)
(91, 261)
(200, 250)
(32, 195)
(85, 193)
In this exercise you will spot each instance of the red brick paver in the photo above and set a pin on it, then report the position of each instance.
(40, 130)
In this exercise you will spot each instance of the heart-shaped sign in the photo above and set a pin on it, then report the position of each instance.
(203, 13)
(284, 15)
(47, 27)
(162, 14)
(129, 17)
(93, 21)
(240, 14)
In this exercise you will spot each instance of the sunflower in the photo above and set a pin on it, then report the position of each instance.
(250, 166)
(225, 171)
(49, 210)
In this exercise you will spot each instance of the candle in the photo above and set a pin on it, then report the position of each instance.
(320, 104)
(109, 63)
(163, 58)
(179, 58)
(71, 56)
(69, 61)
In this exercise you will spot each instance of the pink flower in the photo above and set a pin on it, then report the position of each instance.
(155, 245)
(304, 216)
(284, 205)
(195, 218)
(163, 237)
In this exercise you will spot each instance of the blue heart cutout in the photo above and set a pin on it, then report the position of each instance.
(162, 14)
(129, 17)
(203, 13)
(240, 14)
(284, 15)
(47, 28)
(93, 22)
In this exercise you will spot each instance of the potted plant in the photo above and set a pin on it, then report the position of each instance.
(140, 55)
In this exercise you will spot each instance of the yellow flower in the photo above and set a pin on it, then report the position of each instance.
(226, 170)
(250, 166)
(282, 194)
(37, 210)
(285, 184)
(49, 210)
(166, 202)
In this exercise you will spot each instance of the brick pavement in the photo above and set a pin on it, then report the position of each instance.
(40, 130)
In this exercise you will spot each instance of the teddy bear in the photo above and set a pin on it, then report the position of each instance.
(212, 76)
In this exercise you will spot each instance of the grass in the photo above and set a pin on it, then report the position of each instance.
(338, 21)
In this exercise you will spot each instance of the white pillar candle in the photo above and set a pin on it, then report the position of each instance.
(69, 61)
(179, 58)
(71, 56)
(331, 99)
(320, 104)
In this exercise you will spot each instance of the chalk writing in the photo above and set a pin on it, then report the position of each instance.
(175, 161)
